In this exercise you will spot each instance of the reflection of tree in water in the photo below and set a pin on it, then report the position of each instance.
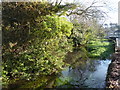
(92, 64)
(83, 73)
(80, 74)
(76, 59)
(79, 71)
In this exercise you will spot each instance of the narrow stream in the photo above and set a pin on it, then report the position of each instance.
(90, 75)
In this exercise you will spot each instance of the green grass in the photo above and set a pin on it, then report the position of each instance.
(100, 49)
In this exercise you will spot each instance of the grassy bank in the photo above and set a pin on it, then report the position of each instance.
(100, 48)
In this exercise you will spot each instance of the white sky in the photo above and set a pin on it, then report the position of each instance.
(113, 13)
(111, 7)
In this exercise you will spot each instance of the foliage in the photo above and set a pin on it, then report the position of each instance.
(87, 38)
(82, 33)
(38, 44)
(100, 48)
(20, 17)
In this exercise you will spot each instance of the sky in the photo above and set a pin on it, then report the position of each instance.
(111, 8)
(113, 13)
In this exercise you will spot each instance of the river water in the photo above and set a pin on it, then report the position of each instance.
(90, 75)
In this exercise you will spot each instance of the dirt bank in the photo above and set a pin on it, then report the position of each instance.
(113, 75)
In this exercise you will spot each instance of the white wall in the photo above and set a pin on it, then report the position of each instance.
(118, 42)
(119, 13)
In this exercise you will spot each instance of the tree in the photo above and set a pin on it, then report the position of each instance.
(34, 44)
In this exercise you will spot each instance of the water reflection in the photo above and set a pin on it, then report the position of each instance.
(90, 75)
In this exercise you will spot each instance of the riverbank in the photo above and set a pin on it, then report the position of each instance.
(113, 75)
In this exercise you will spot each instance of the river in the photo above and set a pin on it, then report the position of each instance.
(90, 75)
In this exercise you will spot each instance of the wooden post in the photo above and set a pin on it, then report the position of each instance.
(119, 42)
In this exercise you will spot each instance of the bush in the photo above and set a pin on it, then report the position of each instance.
(36, 49)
